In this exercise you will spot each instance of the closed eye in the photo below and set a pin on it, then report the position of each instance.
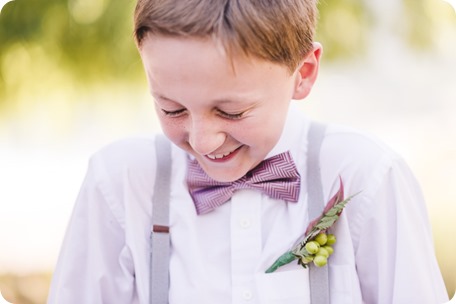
(173, 113)
(232, 116)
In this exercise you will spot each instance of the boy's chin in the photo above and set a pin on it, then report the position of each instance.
(224, 175)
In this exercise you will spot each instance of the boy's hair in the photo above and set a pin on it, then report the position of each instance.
(279, 31)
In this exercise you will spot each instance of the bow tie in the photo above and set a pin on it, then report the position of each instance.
(276, 176)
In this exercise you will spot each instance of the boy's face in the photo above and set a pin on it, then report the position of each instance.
(227, 113)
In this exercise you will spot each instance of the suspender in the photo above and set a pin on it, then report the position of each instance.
(159, 237)
(318, 277)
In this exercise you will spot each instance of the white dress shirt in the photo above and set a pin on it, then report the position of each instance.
(384, 251)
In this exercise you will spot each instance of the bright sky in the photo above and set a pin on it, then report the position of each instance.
(38, 188)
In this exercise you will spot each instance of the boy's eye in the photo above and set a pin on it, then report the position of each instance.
(173, 113)
(231, 115)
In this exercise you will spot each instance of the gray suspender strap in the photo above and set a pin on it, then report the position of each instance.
(159, 237)
(318, 277)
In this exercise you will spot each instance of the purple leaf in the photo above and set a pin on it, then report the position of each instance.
(338, 197)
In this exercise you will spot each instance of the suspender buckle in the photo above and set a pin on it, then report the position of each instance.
(160, 229)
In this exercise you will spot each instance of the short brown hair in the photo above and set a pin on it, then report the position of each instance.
(280, 31)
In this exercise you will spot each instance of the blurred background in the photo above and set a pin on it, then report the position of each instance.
(71, 81)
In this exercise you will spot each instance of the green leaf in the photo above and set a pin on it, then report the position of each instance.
(332, 212)
(284, 259)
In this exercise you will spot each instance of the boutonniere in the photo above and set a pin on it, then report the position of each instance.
(316, 245)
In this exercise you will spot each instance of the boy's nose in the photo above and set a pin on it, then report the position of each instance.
(205, 138)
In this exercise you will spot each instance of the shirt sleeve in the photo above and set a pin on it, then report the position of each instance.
(94, 265)
(395, 256)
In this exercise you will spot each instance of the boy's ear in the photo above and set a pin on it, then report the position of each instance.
(307, 72)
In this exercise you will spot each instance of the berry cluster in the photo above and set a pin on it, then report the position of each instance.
(318, 250)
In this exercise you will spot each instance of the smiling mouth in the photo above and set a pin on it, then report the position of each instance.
(218, 156)
(222, 156)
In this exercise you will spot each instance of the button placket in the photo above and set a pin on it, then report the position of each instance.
(245, 223)
(245, 243)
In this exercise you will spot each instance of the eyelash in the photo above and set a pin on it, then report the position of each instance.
(221, 113)
(173, 113)
(231, 116)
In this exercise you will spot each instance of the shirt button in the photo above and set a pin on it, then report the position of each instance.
(247, 295)
(245, 223)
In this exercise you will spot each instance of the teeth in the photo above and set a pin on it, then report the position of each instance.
(226, 154)
(218, 156)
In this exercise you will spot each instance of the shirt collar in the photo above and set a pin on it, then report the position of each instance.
(291, 139)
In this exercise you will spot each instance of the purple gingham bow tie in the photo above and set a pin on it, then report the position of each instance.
(276, 176)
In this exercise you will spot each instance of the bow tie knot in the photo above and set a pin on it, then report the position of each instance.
(277, 177)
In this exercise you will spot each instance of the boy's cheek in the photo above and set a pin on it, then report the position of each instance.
(174, 132)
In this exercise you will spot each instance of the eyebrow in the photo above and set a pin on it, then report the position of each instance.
(215, 101)
(160, 96)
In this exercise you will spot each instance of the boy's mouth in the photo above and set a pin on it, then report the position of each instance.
(218, 156)
(222, 156)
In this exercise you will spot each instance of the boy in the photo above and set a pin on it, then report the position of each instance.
(222, 75)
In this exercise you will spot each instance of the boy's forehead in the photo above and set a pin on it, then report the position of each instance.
(185, 69)
(158, 51)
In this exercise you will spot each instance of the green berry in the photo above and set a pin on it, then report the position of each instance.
(322, 251)
(321, 238)
(331, 239)
(329, 249)
(312, 247)
(320, 261)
